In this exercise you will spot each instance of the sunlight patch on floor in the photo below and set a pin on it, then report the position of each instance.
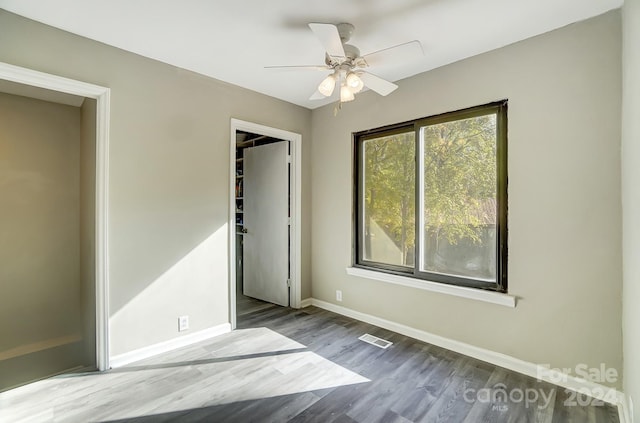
(243, 365)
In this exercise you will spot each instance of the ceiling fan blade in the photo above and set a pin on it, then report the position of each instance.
(377, 84)
(329, 38)
(395, 54)
(303, 67)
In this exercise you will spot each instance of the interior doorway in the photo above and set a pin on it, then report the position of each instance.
(47, 310)
(89, 325)
(264, 234)
(262, 220)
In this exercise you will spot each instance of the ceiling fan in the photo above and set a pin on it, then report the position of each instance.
(347, 66)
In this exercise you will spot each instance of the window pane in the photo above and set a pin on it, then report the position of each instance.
(459, 204)
(388, 203)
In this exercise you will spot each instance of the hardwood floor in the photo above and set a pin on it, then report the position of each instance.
(246, 305)
(308, 365)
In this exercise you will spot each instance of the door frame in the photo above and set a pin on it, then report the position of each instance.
(102, 95)
(295, 190)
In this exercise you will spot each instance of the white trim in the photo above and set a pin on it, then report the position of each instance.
(498, 359)
(625, 409)
(442, 288)
(231, 227)
(295, 257)
(102, 95)
(170, 345)
(102, 230)
(50, 82)
(40, 346)
(306, 302)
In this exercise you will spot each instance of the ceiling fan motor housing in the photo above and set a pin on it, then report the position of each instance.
(346, 31)
(351, 54)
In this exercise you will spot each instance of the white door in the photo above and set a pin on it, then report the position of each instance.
(266, 221)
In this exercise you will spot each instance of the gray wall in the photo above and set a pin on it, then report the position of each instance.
(169, 178)
(40, 307)
(631, 198)
(564, 198)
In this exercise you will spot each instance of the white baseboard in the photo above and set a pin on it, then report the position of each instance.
(592, 389)
(170, 345)
(306, 302)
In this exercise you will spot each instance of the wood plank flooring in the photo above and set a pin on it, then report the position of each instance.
(246, 305)
(284, 365)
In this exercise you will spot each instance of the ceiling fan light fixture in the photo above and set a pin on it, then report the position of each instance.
(346, 94)
(354, 82)
(349, 69)
(327, 85)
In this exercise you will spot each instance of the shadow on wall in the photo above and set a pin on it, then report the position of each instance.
(173, 275)
(167, 258)
(168, 216)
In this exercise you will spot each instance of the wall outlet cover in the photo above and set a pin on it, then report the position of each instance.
(338, 295)
(183, 323)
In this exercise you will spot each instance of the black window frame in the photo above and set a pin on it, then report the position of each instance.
(498, 108)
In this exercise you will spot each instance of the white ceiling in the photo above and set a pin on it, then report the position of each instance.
(232, 40)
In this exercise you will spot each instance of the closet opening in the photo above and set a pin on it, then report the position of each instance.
(53, 149)
(265, 216)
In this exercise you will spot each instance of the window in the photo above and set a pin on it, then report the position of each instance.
(431, 198)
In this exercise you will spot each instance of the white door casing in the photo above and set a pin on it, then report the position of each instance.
(295, 189)
(60, 84)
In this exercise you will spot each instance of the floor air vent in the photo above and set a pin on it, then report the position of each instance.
(374, 340)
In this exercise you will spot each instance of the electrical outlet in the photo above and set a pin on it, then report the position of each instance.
(183, 323)
(338, 295)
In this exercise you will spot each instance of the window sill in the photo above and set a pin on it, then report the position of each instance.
(458, 291)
